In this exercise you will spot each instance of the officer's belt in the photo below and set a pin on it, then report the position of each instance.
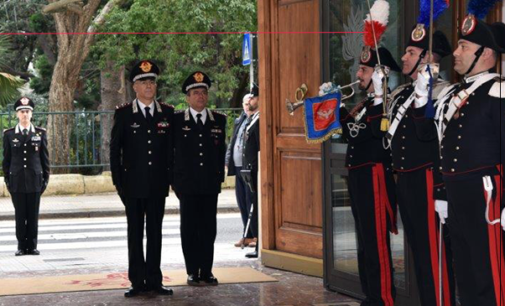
(402, 110)
(458, 101)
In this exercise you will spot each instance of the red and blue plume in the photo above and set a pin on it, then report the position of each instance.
(439, 7)
(480, 8)
(380, 17)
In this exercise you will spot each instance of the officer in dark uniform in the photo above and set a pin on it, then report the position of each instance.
(470, 121)
(419, 184)
(200, 150)
(250, 162)
(141, 158)
(26, 173)
(370, 182)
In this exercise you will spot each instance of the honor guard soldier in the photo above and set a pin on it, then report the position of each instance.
(26, 174)
(141, 158)
(419, 185)
(200, 150)
(470, 121)
(250, 162)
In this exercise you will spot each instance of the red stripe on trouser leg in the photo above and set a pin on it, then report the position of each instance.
(432, 233)
(381, 232)
(495, 247)
(385, 198)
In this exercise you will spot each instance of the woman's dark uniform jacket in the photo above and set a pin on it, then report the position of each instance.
(26, 161)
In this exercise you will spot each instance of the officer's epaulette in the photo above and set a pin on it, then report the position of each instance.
(498, 88)
(6, 130)
(40, 128)
(178, 111)
(123, 105)
(219, 113)
(399, 89)
(166, 104)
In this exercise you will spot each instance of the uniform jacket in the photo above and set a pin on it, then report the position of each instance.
(141, 154)
(199, 154)
(231, 146)
(251, 144)
(411, 150)
(365, 141)
(26, 160)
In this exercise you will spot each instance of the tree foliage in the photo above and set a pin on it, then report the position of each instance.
(219, 55)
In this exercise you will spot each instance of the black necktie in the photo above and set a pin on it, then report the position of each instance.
(199, 122)
(25, 132)
(149, 118)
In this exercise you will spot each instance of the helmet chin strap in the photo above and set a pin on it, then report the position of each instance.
(421, 56)
(478, 54)
(368, 86)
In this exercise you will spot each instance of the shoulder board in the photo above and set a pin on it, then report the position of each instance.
(399, 89)
(218, 113)
(123, 105)
(166, 105)
(498, 89)
(10, 129)
(40, 128)
(178, 111)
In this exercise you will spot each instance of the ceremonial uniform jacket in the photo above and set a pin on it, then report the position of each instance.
(252, 144)
(411, 149)
(26, 159)
(141, 152)
(474, 140)
(365, 141)
(199, 154)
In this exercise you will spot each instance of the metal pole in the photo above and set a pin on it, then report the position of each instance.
(251, 66)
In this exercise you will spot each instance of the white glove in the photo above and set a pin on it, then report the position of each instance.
(421, 89)
(377, 83)
(503, 219)
(441, 209)
(325, 88)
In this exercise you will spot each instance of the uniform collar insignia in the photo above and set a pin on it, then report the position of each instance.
(211, 116)
(186, 115)
(135, 106)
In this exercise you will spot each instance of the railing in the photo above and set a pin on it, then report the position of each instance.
(89, 136)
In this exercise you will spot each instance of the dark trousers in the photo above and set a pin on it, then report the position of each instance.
(477, 247)
(243, 195)
(370, 189)
(421, 225)
(146, 271)
(26, 207)
(198, 232)
(254, 202)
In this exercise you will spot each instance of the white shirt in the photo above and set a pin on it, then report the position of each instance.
(143, 108)
(194, 113)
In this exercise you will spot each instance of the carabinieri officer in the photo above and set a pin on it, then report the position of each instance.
(26, 170)
(200, 150)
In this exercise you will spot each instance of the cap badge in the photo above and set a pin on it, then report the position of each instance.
(146, 66)
(25, 101)
(418, 33)
(366, 55)
(468, 25)
(198, 77)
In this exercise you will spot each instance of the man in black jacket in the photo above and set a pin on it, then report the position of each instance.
(26, 169)
(234, 163)
(141, 158)
(200, 150)
(250, 161)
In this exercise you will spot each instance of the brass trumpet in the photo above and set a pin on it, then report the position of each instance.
(302, 91)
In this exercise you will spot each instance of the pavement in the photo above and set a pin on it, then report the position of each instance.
(102, 205)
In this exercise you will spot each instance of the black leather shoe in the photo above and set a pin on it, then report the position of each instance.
(133, 291)
(33, 252)
(252, 254)
(193, 280)
(209, 281)
(20, 253)
(162, 290)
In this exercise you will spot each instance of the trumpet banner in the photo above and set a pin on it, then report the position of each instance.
(321, 117)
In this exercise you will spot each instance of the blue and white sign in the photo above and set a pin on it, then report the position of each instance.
(247, 49)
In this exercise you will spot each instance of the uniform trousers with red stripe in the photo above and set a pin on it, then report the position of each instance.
(421, 225)
(477, 246)
(373, 224)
